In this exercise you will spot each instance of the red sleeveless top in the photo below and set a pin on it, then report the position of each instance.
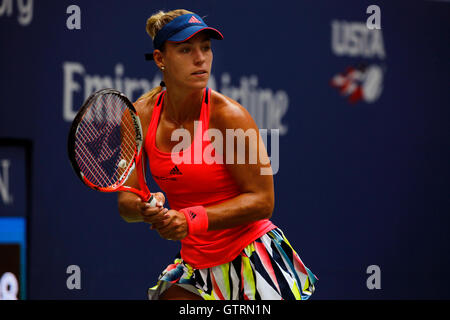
(199, 180)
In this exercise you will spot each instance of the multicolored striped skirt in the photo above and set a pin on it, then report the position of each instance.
(267, 269)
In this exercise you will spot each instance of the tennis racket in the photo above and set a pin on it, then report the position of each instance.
(105, 144)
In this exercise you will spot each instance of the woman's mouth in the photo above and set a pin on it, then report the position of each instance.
(200, 73)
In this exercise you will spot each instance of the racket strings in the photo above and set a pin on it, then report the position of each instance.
(89, 141)
(90, 163)
(106, 136)
(111, 126)
(102, 168)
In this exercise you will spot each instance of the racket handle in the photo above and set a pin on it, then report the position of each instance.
(152, 201)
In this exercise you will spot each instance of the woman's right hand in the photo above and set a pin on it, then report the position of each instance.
(154, 214)
(133, 209)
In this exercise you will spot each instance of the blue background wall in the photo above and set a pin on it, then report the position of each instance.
(358, 184)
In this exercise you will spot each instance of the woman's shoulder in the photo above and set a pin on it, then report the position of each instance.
(226, 112)
(144, 107)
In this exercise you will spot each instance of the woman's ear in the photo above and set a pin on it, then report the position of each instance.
(158, 58)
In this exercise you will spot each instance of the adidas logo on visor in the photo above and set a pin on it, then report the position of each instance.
(193, 19)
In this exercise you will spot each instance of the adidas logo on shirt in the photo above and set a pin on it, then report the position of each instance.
(175, 170)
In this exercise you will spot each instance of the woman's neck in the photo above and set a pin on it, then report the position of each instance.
(182, 106)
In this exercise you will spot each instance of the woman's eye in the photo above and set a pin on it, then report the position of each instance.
(185, 50)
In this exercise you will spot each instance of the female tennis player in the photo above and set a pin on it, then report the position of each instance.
(219, 210)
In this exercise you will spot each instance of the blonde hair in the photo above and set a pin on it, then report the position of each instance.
(155, 23)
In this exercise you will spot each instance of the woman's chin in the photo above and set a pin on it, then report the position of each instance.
(198, 84)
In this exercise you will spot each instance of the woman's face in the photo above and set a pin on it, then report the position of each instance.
(188, 63)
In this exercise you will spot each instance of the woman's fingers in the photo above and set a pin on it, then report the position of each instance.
(154, 215)
(175, 228)
(148, 210)
(160, 199)
(163, 223)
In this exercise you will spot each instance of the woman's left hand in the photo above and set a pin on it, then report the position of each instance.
(174, 227)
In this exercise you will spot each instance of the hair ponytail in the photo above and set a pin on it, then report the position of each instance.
(151, 94)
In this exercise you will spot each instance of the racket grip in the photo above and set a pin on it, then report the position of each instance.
(152, 201)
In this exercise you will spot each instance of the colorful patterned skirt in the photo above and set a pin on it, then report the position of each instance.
(267, 269)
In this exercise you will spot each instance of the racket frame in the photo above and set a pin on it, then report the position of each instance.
(138, 159)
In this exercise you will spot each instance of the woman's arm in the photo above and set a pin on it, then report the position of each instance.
(131, 207)
(257, 199)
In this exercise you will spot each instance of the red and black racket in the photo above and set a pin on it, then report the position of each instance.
(105, 144)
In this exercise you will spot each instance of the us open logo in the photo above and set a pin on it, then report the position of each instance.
(361, 81)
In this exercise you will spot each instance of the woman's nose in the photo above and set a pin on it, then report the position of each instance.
(199, 56)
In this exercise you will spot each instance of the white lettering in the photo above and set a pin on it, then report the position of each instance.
(74, 20)
(6, 8)
(355, 39)
(4, 181)
(183, 145)
(94, 83)
(236, 309)
(132, 85)
(74, 280)
(212, 153)
(9, 286)
(373, 83)
(374, 281)
(240, 136)
(25, 12)
(265, 106)
(196, 310)
(25, 9)
(70, 86)
(374, 21)
(77, 80)
(274, 159)
(237, 149)
(197, 143)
